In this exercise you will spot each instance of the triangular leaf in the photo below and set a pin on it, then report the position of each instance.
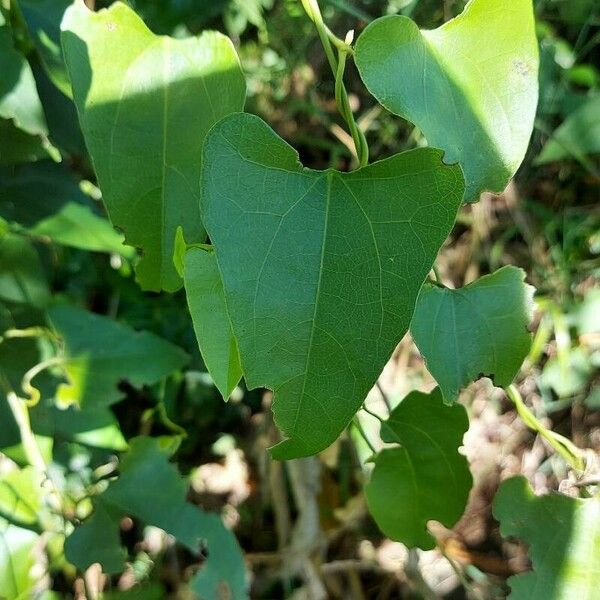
(206, 300)
(98, 353)
(563, 535)
(145, 103)
(476, 331)
(471, 85)
(425, 478)
(150, 489)
(321, 269)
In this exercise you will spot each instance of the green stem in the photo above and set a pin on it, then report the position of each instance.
(338, 65)
(363, 434)
(559, 443)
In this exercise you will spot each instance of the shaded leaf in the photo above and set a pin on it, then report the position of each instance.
(425, 478)
(470, 86)
(19, 99)
(16, 146)
(150, 489)
(98, 353)
(22, 278)
(476, 331)
(169, 92)
(563, 535)
(206, 300)
(44, 198)
(577, 137)
(321, 269)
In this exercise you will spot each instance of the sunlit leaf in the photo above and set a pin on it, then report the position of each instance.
(476, 331)
(321, 269)
(470, 86)
(145, 103)
(425, 478)
(563, 536)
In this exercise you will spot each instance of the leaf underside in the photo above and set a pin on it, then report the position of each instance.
(321, 269)
(145, 104)
(471, 85)
(479, 330)
(425, 478)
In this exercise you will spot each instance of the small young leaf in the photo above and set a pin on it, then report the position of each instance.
(206, 300)
(145, 103)
(150, 489)
(471, 86)
(563, 535)
(425, 478)
(98, 353)
(476, 331)
(321, 269)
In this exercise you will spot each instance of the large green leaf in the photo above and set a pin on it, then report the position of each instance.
(470, 86)
(99, 353)
(44, 198)
(22, 278)
(150, 489)
(16, 561)
(563, 535)
(476, 331)
(145, 103)
(206, 300)
(425, 478)
(19, 100)
(321, 269)
(577, 137)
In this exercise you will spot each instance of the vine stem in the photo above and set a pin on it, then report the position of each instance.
(20, 412)
(338, 64)
(559, 443)
(363, 434)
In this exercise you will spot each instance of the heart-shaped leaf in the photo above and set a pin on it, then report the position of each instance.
(563, 534)
(321, 269)
(476, 331)
(145, 103)
(471, 85)
(425, 478)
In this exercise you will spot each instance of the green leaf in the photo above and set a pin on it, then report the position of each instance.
(44, 198)
(206, 300)
(425, 478)
(43, 18)
(98, 353)
(20, 496)
(563, 535)
(145, 104)
(16, 146)
(150, 489)
(476, 331)
(577, 137)
(16, 561)
(22, 278)
(470, 86)
(19, 99)
(321, 269)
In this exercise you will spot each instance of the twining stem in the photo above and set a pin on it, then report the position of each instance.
(338, 65)
(33, 454)
(559, 443)
(356, 422)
